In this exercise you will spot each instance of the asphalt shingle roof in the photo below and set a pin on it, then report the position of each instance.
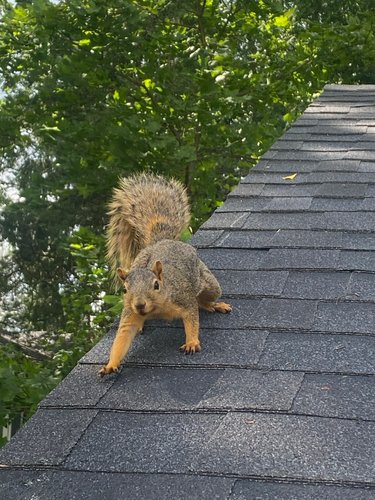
(280, 403)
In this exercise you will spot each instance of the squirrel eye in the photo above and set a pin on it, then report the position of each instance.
(156, 285)
(124, 290)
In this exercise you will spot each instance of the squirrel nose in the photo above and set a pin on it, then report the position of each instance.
(140, 306)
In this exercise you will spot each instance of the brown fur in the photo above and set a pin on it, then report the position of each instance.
(144, 209)
(162, 277)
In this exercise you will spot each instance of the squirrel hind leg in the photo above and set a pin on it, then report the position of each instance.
(210, 292)
(207, 299)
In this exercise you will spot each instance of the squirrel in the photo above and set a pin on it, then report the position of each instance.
(161, 276)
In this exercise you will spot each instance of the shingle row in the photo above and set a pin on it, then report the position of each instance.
(294, 239)
(245, 444)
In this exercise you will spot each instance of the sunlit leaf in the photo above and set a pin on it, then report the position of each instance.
(290, 177)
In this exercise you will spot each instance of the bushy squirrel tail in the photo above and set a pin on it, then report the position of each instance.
(145, 208)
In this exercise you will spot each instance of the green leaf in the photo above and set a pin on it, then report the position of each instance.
(84, 42)
(284, 20)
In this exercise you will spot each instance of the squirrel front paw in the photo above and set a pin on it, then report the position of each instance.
(106, 370)
(191, 347)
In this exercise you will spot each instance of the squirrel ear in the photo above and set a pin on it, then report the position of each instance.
(157, 269)
(122, 274)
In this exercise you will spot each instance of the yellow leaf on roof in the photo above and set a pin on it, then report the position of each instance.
(290, 177)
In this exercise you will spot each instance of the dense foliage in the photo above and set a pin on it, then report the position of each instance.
(96, 89)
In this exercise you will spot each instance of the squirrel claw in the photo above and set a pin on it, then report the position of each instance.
(106, 370)
(190, 347)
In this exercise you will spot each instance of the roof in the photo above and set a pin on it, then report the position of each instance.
(280, 403)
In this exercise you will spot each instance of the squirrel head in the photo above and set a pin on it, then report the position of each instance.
(143, 289)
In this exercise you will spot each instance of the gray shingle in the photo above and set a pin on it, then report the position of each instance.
(361, 114)
(295, 135)
(241, 310)
(319, 352)
(80, 388)
(289, 204)
(285, 144)
(358, 97)
(308, 239)
(370, 191)
(317, 107)
(250, 283)
(350, 89)
(251, 489)
(368, 204)
(268, 154)
(281, 314)
(359, 241)
(338, 138)
(246, 239)
(333, 118)
(339, 129)
(358, 221)
(290, 189)
(220, 258)
(50, 435)
(338, 204)
(265, 177)
(244, 205)
(366, 166)
(143, 442)
(22, 484)
(265, 204)
(293, 220)
(316, 285)
(362, 286)
(342, 190)
(225, 220)
(45, 485)
(318, 239)
(326, 146)
(361, 155)
(284, 166)
(304, 121)
(338, 165)
(154, 388)
(356, 260)
(246, 190)
(337, 396)
(363, 146)
(290, 446)
(313, 155)
(341, 177)
(281, 258)
(80, 485)
(205, 238)
(244, 389)
(345, 317)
